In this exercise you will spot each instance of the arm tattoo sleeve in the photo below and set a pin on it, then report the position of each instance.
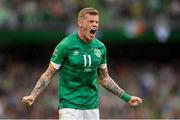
(108, 83)
(43, 81)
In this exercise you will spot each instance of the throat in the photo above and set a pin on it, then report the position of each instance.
(83, 38)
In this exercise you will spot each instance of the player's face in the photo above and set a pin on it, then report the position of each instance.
(89, 25)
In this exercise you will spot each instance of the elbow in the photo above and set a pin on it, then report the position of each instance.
(104, 81)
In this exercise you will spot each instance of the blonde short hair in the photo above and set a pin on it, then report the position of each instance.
(85, 11)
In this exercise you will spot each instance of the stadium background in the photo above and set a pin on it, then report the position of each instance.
(142, 39)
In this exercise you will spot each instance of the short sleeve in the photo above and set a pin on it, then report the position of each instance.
(59, 55)
(104, 58)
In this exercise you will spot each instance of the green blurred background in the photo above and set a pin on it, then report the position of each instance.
(142, 40)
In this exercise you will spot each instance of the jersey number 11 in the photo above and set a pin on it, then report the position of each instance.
(87, 59)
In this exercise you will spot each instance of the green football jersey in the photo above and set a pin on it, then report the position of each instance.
(78, 63)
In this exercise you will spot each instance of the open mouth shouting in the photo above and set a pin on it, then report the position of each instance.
(92, 33)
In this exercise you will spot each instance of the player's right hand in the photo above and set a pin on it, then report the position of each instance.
(27, 101)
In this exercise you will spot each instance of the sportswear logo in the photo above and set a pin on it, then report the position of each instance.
(97, 52)
(76, 52)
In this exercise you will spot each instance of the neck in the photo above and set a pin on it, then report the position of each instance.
(82, 37)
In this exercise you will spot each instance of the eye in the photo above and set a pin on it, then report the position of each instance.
(91, 21)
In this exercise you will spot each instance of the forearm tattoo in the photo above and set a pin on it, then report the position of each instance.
(43, 81)
(108, 83)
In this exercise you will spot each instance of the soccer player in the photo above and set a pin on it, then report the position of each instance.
(80, 59)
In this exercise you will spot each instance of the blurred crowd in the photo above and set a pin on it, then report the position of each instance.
(17, 79)
(61, 14)
(156, 83)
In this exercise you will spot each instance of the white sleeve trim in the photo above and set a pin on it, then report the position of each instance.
(55, 65)
(103, 66)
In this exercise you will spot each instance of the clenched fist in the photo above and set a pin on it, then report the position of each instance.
(28, 100)
(135, 101)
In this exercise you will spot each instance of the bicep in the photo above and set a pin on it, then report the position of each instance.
(50, 72)
(103, 74)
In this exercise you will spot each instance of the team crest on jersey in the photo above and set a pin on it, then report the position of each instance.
(76, 52)
(97, 52)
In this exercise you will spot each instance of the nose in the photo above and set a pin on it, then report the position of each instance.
(95, 24)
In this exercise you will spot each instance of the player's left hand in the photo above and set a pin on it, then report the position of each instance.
(135, 101)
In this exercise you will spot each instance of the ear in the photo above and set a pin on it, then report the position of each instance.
(80, 23)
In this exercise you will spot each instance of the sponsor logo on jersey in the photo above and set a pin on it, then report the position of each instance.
(97, 52)
(76, 52)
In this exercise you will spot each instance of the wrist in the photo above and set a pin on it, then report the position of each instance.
(125, 96)
(33, 95)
